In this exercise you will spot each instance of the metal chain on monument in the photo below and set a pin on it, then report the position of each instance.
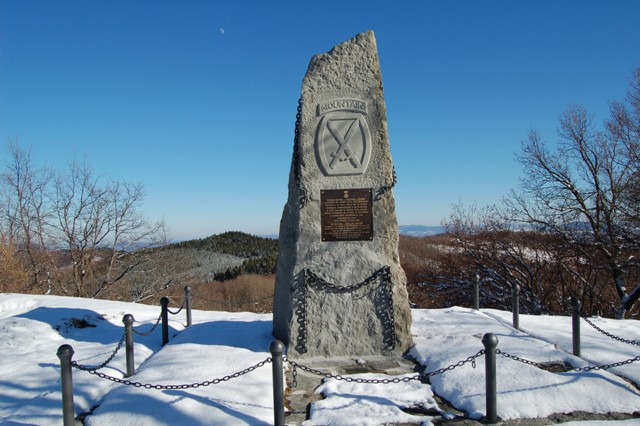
(385, 189)
(392, 318)
(302, 198)
(383, 272)
(302, 315)
(312, 279)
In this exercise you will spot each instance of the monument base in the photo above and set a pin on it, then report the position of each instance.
(303, 394)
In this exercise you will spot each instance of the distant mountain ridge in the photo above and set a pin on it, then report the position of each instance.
(420, 230)
(227, 255)
(235, 243)
(411, 230)
(256, 255)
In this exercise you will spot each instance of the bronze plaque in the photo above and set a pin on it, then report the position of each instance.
(346, 214)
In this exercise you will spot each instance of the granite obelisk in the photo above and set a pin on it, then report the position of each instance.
(340, 290)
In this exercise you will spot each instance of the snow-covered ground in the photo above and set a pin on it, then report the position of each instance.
(219, 344)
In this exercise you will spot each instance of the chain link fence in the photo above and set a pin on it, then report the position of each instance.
(614, 337)
(587, 368)
(490, 352)
(147, 333)
(106, 362)
(349, 379)
(295, 366)
(578, 369)
(172, 387)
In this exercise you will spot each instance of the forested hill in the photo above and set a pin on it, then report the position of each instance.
(234, 243)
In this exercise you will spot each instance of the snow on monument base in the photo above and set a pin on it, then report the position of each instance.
(340, 290)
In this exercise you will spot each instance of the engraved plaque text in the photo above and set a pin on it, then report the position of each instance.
(346, 215)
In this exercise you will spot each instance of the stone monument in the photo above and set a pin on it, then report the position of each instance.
(340, 290)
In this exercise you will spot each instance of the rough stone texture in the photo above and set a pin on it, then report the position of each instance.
(332, 322)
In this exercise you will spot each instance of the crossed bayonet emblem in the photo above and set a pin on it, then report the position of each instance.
(343, 152)
(343, 140)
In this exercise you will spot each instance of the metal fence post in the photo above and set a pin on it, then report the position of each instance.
(516, 306)
(128, 330)
(165, 320)
(187, 304)
(490, 342)
(575, 315)
(277, 349)
(65, 352)
(476, 293)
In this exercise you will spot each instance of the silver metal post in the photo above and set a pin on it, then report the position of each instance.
(516, 306)
(476, 292)
(65, 353)
(575, 317)
(187, 294)
(128, 329)
(490, 342)
(277, 349)
(164, 302)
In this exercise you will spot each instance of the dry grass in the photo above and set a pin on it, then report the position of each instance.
(13, 276)
(247, 293)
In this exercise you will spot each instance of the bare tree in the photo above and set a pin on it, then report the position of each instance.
(624, 129)
(504, 257)
(98, 223)
(72, 229)
(80, 208)
(585, 193)
(25, 214)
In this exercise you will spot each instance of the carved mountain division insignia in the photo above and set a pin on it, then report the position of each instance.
(343, 140)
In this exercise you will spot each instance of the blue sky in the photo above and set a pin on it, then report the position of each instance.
(197, 99)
